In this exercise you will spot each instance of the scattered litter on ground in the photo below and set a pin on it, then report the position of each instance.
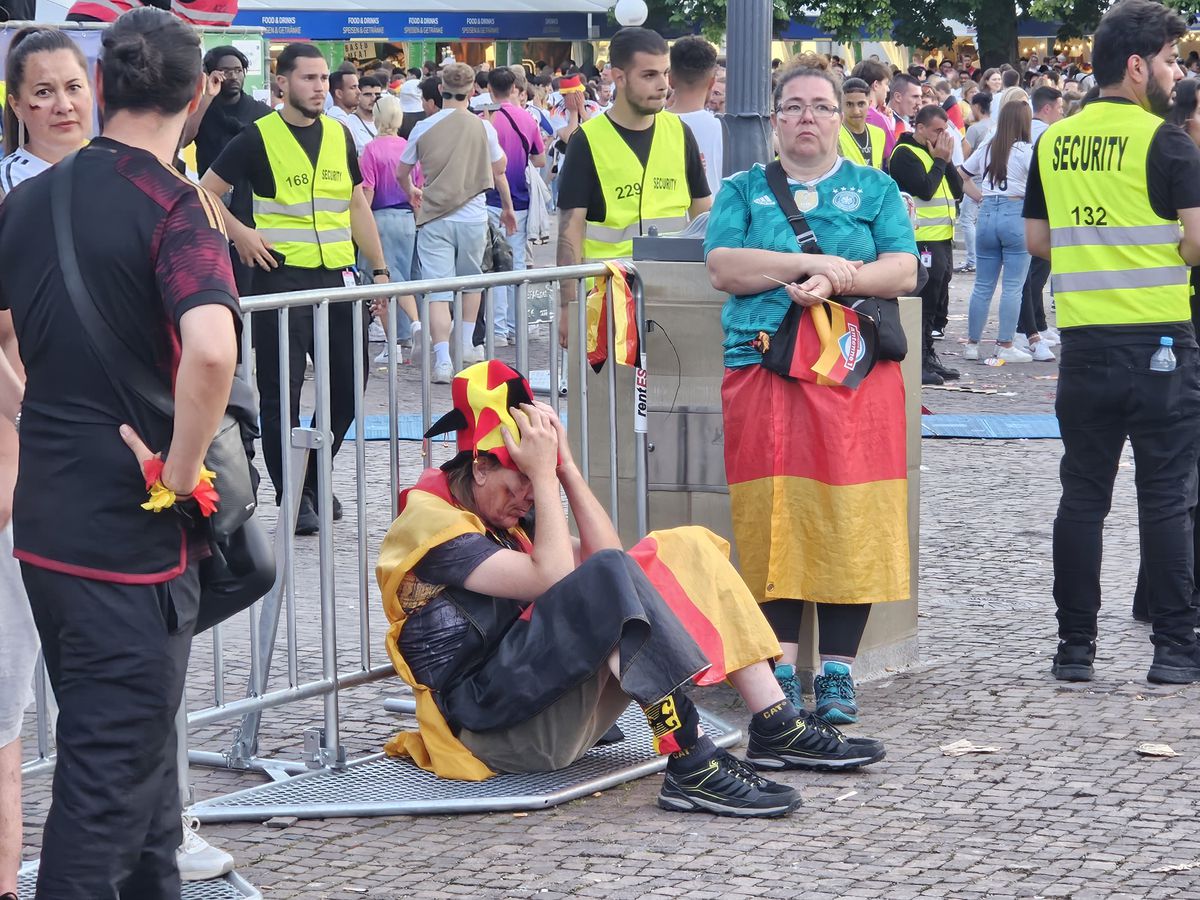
(1178, 867)
(993, 361)
(1045, 378)
(520, 815)
(1163, 750)
(967, 389)
(963, 747)
(845, 796)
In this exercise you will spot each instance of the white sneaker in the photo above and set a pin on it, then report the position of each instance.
(1021, 342)
(1051, 336)
(500, 340)
(382, 358)
(1041, 351)
(1013, 355)
(472, 355)
(376, 333)
(971, 351)
(197, 859)
(442, 373)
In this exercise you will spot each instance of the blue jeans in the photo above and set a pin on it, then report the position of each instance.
(504, 306)
(968, 214)
(999, 244)
(398, 234)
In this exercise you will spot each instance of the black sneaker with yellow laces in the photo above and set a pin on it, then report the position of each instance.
(726, 786)
(807, 742)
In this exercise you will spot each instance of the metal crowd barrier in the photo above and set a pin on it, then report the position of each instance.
(323, 747)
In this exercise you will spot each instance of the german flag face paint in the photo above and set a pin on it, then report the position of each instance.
(484, 396)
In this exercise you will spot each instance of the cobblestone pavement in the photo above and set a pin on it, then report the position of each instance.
(1063, 807)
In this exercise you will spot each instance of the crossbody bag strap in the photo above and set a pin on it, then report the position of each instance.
(124, 369)
(520, 137)
(777, 181)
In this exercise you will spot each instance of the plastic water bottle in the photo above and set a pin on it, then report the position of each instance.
(1163, 359)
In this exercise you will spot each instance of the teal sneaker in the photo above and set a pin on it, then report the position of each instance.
(789, 681)
(834, 690)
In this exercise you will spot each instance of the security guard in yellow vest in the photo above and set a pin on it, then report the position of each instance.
(630, 168)
(920, 164)
(309, 213)
(859, 142)
(1113, 201)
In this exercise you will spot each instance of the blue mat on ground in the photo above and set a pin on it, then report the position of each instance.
(1010, 427)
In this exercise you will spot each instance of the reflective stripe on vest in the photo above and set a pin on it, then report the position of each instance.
(1113, 260)
(636, 198)
(308, 219)
(103, 10)
(852, 152)
(935, 217)
(205, 12)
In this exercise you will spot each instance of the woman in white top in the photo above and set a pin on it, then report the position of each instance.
(48, 113)
(47, 116)
(1001, 163)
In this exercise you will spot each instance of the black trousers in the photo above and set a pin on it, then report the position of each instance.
(840, 626)
(935, 296)
(1033, 312)
(342, 389)
(117, 657)
(1106, 396)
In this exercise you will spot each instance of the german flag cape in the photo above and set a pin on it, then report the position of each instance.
(688, 566)
(624, 313)
(818, 486)
(428, 517)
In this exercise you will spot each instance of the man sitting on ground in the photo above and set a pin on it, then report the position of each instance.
(529, 681)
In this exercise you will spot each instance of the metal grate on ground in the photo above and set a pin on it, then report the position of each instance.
(231, 887)
(385, 786)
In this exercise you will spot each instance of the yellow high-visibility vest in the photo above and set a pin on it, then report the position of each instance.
(935, 217)
(1113, 260)
(308, 219)
(636, 198)
(851, 150)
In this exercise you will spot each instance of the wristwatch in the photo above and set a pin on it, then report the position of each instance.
(384, 271)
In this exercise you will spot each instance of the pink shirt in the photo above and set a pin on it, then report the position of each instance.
(893, 126)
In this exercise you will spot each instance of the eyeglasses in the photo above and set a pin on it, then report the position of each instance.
(796, 110)
(233, 71)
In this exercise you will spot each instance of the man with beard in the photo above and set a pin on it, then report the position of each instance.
(293, 159)
(632, 167)
(225, 109)
(1113, 201)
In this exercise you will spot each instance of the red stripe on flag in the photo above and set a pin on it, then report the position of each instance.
(645, 554)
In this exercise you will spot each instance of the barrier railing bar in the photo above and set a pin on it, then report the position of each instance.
(489, 320)
(641, 394)
(555, 353)
(289, 504)
(331, 752)
(393, 408)
(467, 283)
(521, 310)
(426, 384)
(614, 492)
(360, 467)
(456, 331)
(581, 347)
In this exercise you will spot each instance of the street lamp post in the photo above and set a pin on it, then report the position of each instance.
(747, 121)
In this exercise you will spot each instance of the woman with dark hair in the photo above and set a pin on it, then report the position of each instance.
(114, 588)
(809, 464)
(1001, 163)
(48, 112)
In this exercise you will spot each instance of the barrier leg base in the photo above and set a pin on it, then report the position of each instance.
(228, 887)
(383, 786)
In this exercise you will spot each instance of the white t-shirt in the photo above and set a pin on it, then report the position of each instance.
(474, 210)
(706, 128)
(1019, 160)
(362, 132)
(18, 166)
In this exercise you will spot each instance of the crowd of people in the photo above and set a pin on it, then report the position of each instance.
(1078, 176)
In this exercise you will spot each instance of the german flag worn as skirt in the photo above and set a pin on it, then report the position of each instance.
(818, 485)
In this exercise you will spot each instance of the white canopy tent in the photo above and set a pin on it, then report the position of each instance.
(598, 7)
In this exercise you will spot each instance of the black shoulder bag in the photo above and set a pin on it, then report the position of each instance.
(245, 564)
(885, 313)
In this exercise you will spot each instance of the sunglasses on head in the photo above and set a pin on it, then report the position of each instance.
(447, 96)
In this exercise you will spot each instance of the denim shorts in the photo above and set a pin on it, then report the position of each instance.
(447, 249)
